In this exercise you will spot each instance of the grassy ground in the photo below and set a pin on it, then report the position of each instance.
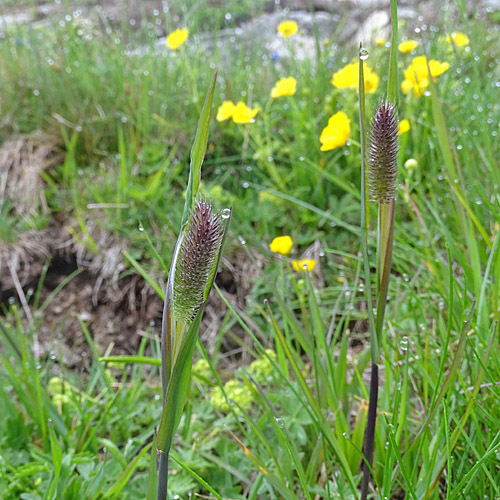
(289, 424)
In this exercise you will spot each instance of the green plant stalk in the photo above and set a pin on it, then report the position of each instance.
(385, 238)
(374, 345)
(178, 337)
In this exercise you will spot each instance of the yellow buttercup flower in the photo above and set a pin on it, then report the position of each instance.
(404, 126)
(284, 87)
(304, 265)
(407, 46)
(282, 245)
(336, 133)
(417, 75)
(348, 78)
(225, 111)
(177, 38)
(243, 114)
(380, 41)
(459, 39)
(287, 28)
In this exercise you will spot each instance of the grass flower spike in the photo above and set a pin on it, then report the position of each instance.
(282, 245)
(284, 87)
(192, 273)
(459, 39)
(177, 38)
(287, 28)
(407, 46)
(383, 153)
(347, 78)
(195, 261)
(336, 133)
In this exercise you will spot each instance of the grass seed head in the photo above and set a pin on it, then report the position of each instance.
(196, 259)
(383, 154)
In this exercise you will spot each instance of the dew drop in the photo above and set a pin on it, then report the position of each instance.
(280, 422)
(363, 54)
(226, 213)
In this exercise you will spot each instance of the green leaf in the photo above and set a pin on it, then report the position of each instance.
(123, 478)
(177, 387)
(198, 151)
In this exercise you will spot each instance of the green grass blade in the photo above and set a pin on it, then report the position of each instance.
(198, 151)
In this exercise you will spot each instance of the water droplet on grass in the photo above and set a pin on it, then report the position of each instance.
(226, 213)
(363, 54)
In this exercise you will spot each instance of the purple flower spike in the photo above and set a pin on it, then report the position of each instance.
(196, 261)
(383, 154)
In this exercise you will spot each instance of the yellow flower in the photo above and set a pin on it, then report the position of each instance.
(282, 245)
(304, 264)
(284, 87)
(336, 133)
(177, 38)
(459, 39)
(380, 41)
(243, 114)
(225, 111)
(287, 28)
(404, 126)
(348, 78)
(417, 75)
(407, 46)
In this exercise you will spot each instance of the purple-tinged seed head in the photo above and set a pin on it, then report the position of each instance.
(383, 154)
(196, 259)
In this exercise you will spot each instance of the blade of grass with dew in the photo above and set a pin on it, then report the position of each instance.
(198, 151)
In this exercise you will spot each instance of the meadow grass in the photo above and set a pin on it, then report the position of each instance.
(290, 424)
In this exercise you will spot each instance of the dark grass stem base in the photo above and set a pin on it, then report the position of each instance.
(163, 476)
(370, 431)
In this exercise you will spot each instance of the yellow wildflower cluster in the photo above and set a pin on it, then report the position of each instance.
(202, 369)
(417, 75)
(284, 87)
(235, 391)
(404, 126)
(336, 133)
(240, 113)
(304, 265)
(407, 46)
(348, 78)
(287, 28)
(282, 245)
(262, 369)
(177, 38)
(459, 39)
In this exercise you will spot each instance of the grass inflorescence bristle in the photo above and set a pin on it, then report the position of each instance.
(197, 256)
(383, 154)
